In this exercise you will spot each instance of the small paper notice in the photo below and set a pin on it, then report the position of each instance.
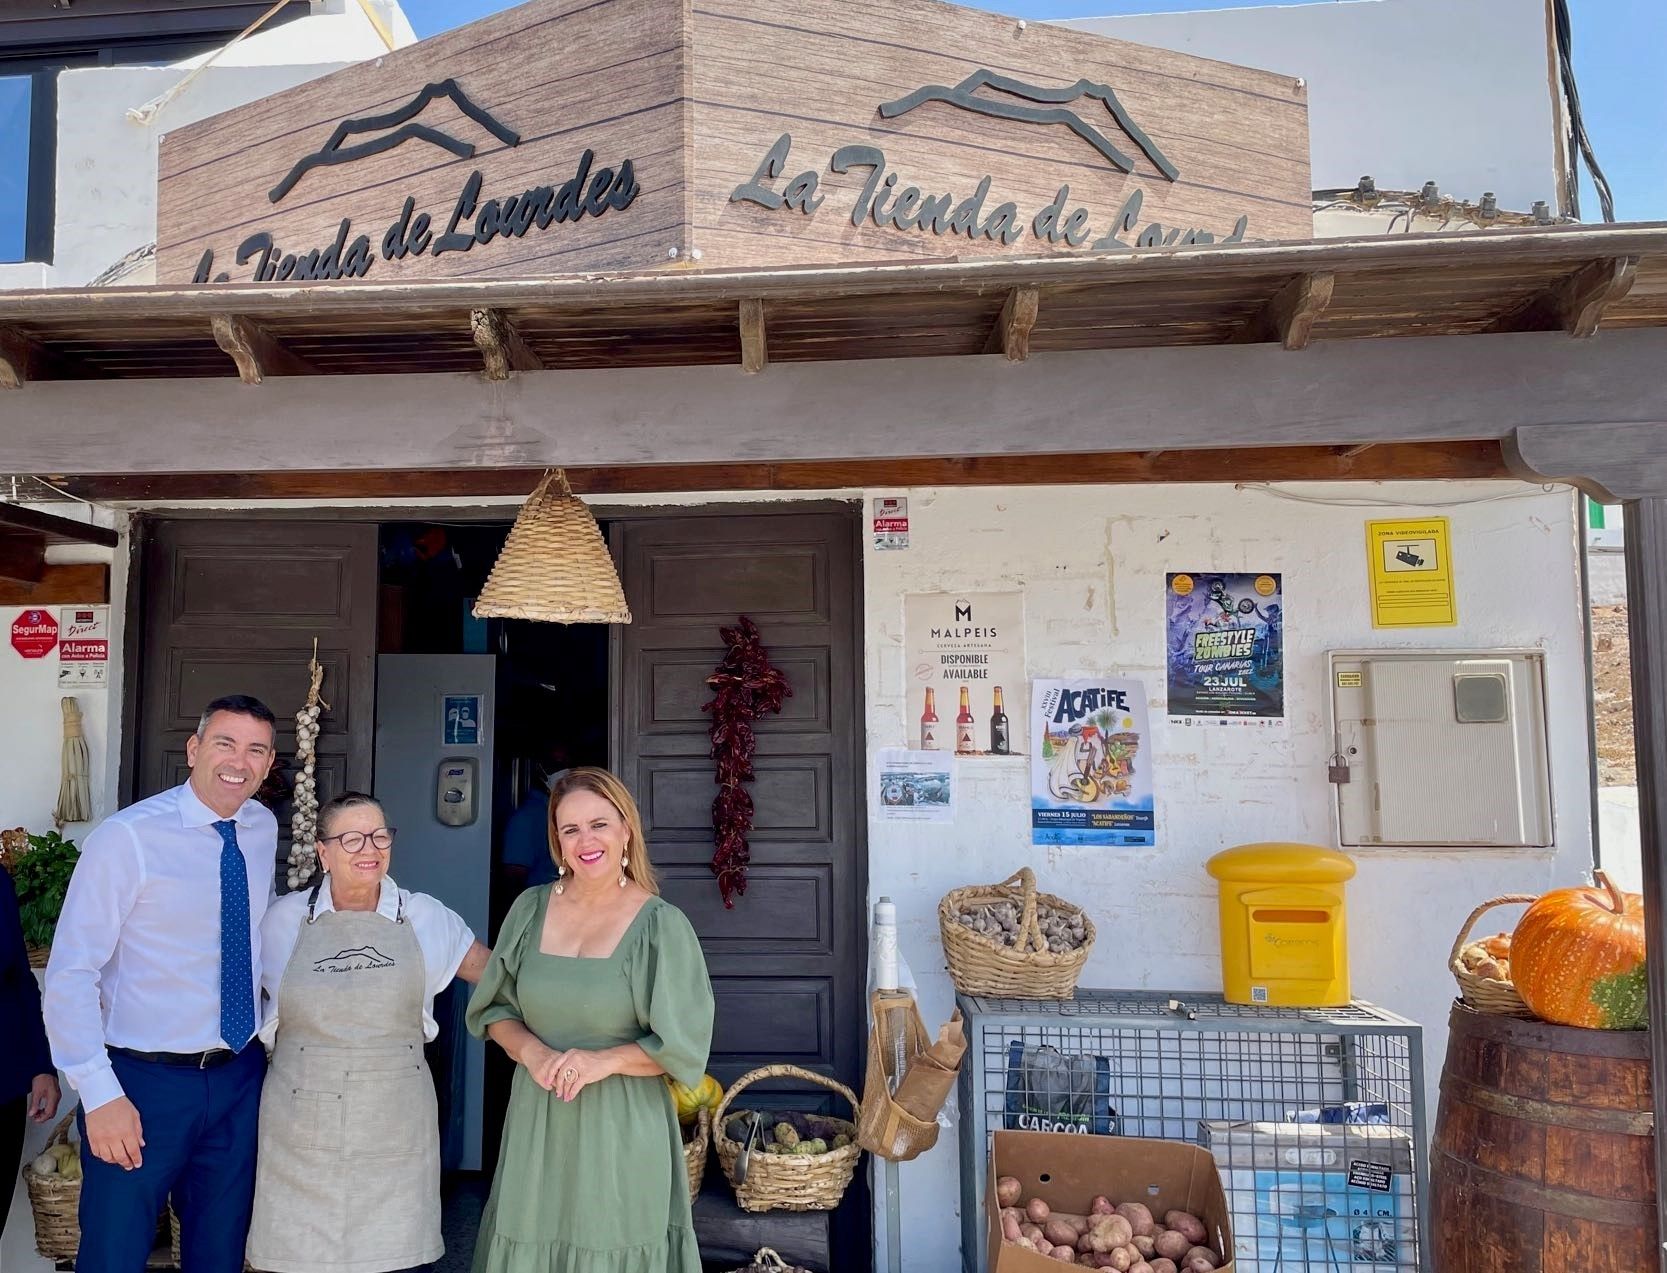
(913, 786)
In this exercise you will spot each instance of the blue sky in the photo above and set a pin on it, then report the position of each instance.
(1620, 53)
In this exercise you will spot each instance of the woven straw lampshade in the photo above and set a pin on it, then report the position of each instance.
(554, 566)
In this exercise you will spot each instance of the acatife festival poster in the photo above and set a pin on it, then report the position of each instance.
(1091, 769)
(1226, 648)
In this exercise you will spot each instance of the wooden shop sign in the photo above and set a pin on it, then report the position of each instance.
(565, 137)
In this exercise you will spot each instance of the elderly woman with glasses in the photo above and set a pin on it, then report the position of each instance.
(348, 1173)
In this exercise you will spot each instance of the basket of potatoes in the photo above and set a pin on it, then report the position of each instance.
(1126, 1236)
(1011, 942)
(1482, 966)
(786, 1161)
(53, 1181)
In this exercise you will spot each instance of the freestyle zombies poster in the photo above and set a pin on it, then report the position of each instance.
(1091, 767)
(1226, 648)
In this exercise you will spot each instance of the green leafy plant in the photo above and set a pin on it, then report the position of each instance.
(41, 874)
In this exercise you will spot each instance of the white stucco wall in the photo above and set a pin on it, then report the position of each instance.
(1091, 563)
(1408, 91)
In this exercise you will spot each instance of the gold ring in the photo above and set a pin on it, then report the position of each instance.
(569, 1072)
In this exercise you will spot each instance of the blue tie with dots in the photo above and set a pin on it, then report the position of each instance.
(237, 987)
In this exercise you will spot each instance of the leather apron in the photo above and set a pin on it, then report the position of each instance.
(348, 1175)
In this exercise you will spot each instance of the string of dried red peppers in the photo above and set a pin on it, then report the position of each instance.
(745, 687)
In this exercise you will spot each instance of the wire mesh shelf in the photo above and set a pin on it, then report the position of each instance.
(1315, 1115)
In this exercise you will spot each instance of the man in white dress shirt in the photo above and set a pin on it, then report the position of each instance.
(150, 1002)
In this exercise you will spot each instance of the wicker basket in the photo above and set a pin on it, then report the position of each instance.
(1029, 970)
(56, 1203)
(38, 955)
(554, 567)
(767, 1261)
(695, 1151)
(1488, 994)
(789, 1182)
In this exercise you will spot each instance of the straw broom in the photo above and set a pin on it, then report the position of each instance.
(75, 797)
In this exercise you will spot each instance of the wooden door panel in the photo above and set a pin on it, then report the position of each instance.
(791, 795)
(232, 607)
(791, 1016)
(673, 689)
(703, 584)
(797, 899)
(789, 961)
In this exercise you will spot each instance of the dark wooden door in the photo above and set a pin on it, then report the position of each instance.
(788, 961)
(233, 607)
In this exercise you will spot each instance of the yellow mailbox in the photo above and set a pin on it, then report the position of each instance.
(1283, 939)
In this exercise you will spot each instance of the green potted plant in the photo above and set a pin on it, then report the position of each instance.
(40, 866)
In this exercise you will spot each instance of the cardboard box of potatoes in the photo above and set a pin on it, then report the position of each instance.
(1104, 1202)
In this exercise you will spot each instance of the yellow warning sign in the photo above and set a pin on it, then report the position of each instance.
(1411, 567)
(1351, 680)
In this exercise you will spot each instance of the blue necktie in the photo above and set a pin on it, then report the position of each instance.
(237, 989)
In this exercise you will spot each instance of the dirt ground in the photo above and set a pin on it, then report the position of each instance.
(1614, 697)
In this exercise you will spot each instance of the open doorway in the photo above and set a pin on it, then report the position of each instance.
(522, 701)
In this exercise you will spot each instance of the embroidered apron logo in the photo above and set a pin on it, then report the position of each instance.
(359, 959)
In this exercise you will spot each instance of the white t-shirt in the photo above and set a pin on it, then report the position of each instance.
(441, 934)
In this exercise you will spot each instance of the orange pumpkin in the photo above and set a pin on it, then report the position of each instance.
(1577, 957)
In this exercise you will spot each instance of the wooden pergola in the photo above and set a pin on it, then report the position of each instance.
(1538, 354)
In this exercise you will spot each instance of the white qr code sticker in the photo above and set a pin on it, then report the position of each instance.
(1258, 994)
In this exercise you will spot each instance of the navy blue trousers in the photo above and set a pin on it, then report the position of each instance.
(200, 1130)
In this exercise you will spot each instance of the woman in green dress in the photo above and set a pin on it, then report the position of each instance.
(596, 989)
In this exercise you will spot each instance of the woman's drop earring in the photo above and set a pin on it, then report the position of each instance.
(624, 861)
(558, 879)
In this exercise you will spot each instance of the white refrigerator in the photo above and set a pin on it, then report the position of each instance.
(434, 723)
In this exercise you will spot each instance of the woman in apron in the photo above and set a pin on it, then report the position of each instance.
(348, 1174)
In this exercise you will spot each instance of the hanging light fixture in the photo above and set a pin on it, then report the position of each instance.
(554, 567)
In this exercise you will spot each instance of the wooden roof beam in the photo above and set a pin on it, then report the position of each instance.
(15, 519)
(1576, 304)
(500, 344)
(22, 358)
(255, 351)
(1010, 337)
(755, 350)
(1289, 315)
(22, 557)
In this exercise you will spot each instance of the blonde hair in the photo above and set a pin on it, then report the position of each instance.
(602, 783)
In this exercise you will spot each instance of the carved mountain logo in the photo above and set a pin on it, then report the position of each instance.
(1049, 108)
(358, 959)
(397, 127)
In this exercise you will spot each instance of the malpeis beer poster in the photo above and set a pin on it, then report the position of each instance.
(1091, 769)
(964, 656)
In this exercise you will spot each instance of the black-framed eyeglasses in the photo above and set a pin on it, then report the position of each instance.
(357, 841)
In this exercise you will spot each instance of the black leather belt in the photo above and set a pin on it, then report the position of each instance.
(194, 1060)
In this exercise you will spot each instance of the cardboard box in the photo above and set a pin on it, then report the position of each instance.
(1066, 1171)
(1319, 1195)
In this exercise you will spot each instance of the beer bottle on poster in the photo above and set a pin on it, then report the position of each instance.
(1000, 743)
(929, 722)
(965, 744)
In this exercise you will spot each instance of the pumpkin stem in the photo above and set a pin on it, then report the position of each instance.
(1616, 899)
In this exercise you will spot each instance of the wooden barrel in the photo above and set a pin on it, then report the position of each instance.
(1544, 1149)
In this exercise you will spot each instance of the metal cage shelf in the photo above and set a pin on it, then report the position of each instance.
(1161, 1065)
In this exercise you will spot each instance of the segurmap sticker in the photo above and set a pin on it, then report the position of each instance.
(891, 522)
